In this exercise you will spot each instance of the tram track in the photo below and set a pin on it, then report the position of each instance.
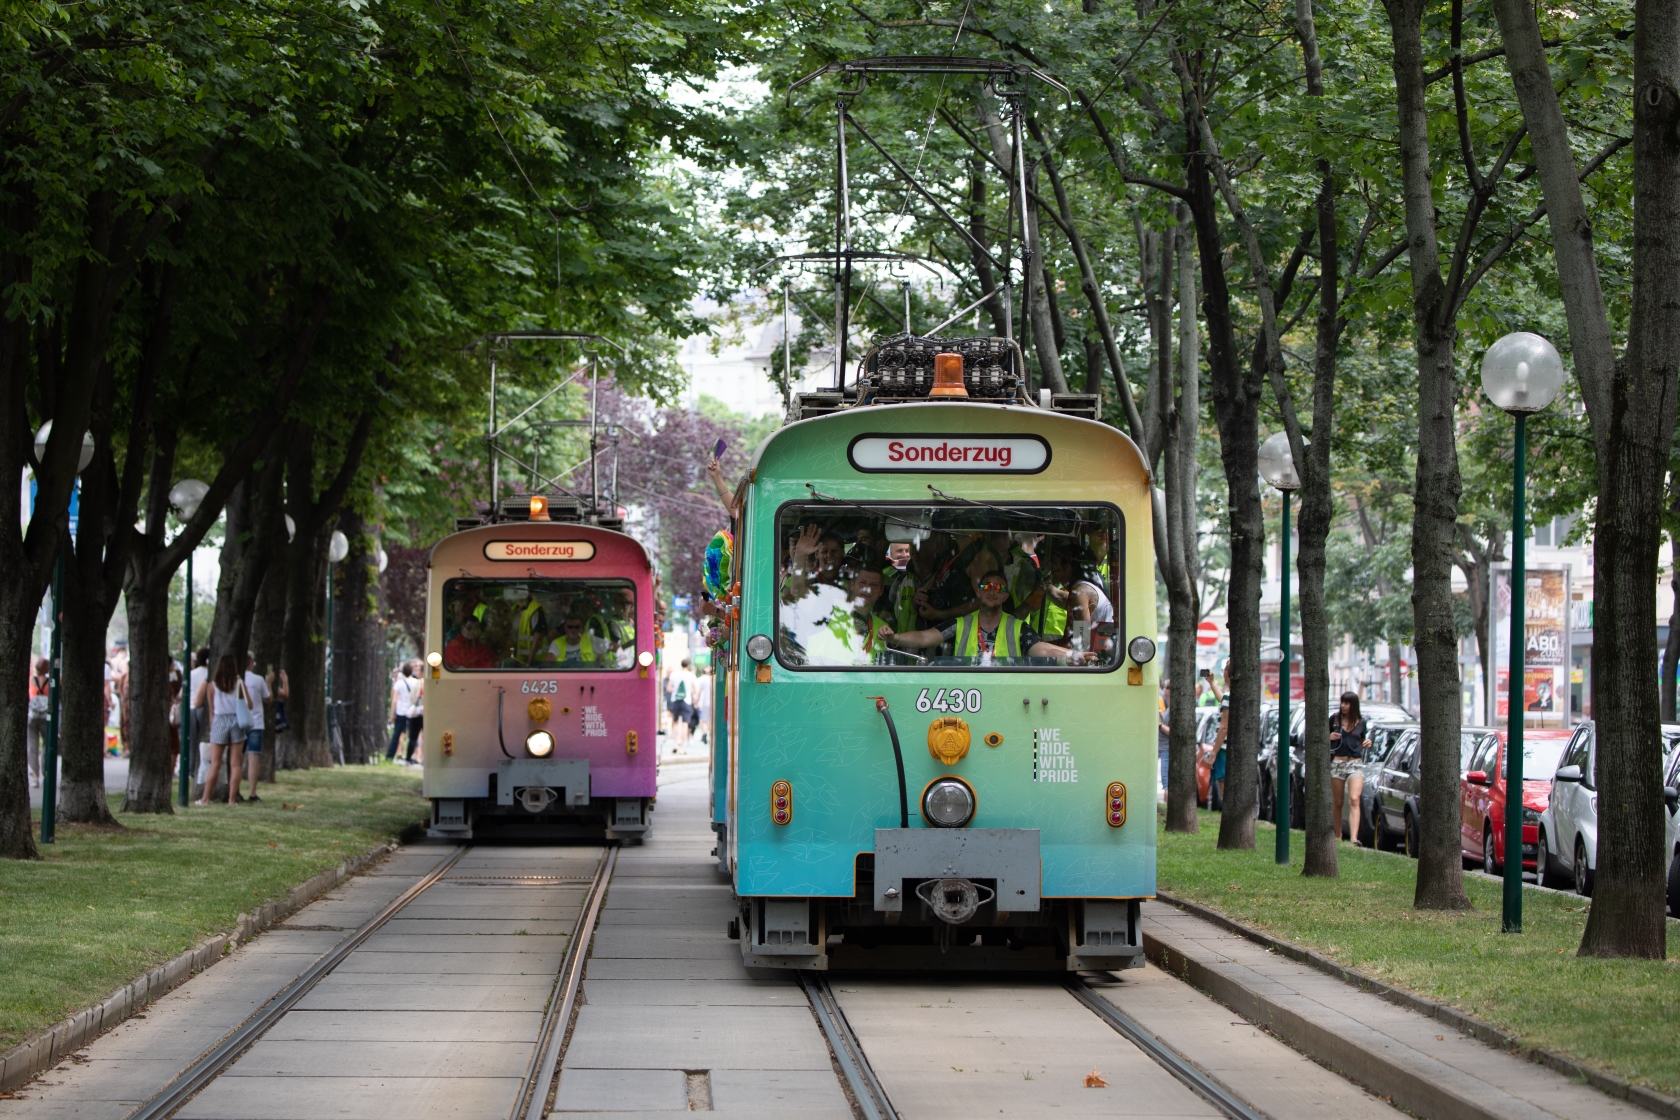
(537, 1082)
(870, 1096)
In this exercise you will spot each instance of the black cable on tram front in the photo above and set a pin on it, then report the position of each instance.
(898, 757)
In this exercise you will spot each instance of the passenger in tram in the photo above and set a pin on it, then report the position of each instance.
(813, 560)
(573, 645)
(948, 592)
(468, 649)
(989, 635)
(898, 601)
(531, 625)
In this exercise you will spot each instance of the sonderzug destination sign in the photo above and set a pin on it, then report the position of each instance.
(539, 550)
(946, 454)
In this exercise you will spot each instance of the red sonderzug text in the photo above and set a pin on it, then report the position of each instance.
(899, 452)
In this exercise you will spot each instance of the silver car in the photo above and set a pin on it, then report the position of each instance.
(1568, 844)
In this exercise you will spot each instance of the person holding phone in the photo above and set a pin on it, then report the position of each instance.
(714, 471)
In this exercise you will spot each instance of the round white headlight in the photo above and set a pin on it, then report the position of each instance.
(758, 647)
(1141, 649)
(645, 658)
(948, 803)
(434, 659)
(540, 743)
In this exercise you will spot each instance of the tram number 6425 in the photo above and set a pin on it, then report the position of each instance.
(540, 686)
(949, 700)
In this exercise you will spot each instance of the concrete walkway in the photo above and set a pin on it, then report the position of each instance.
(1425, 1066)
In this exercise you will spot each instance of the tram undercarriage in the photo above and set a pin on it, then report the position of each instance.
(920, 903)
(540, 812)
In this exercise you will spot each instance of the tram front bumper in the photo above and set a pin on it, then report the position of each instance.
(1009, 856)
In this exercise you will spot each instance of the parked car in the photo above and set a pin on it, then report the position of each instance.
(1384, 738)
(1483, 795)
(1569, 825)
(1394, 802)
(1374, 712)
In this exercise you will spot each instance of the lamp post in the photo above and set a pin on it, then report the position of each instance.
(184, 498)
(1521, 373)
(49, 763)
(338, 547)
(1277, 467)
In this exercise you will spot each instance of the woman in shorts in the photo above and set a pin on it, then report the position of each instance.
(1350, 738)
(226, 691)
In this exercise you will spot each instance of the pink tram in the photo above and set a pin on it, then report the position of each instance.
(542, 695)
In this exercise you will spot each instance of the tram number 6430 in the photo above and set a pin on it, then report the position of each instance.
(949, 700)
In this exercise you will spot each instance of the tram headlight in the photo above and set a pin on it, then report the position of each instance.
(758, 647)
(948, 803)
(1141, 649)
(645, 658)
(540, 743)
(435, 660)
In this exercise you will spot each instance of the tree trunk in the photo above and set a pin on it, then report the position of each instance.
(150, 783)
(983, 271)
(1038, 300)
(1236, 403)
(1440, 880)
(1323, 829)
(81, 730)
(305, 655)
(1184, 543)
(1632, 412)
(1627, 917)
(359, 681)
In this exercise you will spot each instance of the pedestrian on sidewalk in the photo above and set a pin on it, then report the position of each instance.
(1350, 738)
(199, 734)
(40, 715)
(684, 686)
(1216, 780)
(405, 689)
(416, 715)
(222, 694)
(257, 690)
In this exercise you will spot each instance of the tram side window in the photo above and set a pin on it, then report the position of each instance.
(560, 624)
(954, 585)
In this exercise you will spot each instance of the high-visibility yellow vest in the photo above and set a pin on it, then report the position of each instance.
(525, 642)
(968, 636)
(558, 648)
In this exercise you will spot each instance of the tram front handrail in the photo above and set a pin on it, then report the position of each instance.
(499, 740)
(898, 757)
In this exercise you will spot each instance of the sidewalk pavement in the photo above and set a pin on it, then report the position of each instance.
(1421, 1063)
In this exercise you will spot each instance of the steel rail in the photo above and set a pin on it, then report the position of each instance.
(223, 1054)
(866, 1088)
(532, 1101)
(1175, 1063)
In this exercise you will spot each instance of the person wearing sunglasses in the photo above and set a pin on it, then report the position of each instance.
(988, 635)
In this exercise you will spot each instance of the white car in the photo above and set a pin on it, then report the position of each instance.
(1569, 826)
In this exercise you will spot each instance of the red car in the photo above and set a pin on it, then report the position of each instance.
(1482, 796)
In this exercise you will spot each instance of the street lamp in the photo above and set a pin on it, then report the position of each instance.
(1521, 373)
(338, 547)
(1277, 467)
(49, 764)
(184, 498)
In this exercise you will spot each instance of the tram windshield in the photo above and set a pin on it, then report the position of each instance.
(547, 624)
(959, 585)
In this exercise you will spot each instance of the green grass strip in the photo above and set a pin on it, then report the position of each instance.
(105, 905)
(1619, 1016)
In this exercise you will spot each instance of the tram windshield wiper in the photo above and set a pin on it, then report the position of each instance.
(1013, 511)
(884, 513)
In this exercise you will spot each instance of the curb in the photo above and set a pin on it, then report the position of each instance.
(1374, 1070)
(57, 1042)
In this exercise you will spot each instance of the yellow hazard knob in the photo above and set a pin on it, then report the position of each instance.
(539, 709)
(948, 739)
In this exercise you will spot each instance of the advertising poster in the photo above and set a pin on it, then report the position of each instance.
(1545, 679)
